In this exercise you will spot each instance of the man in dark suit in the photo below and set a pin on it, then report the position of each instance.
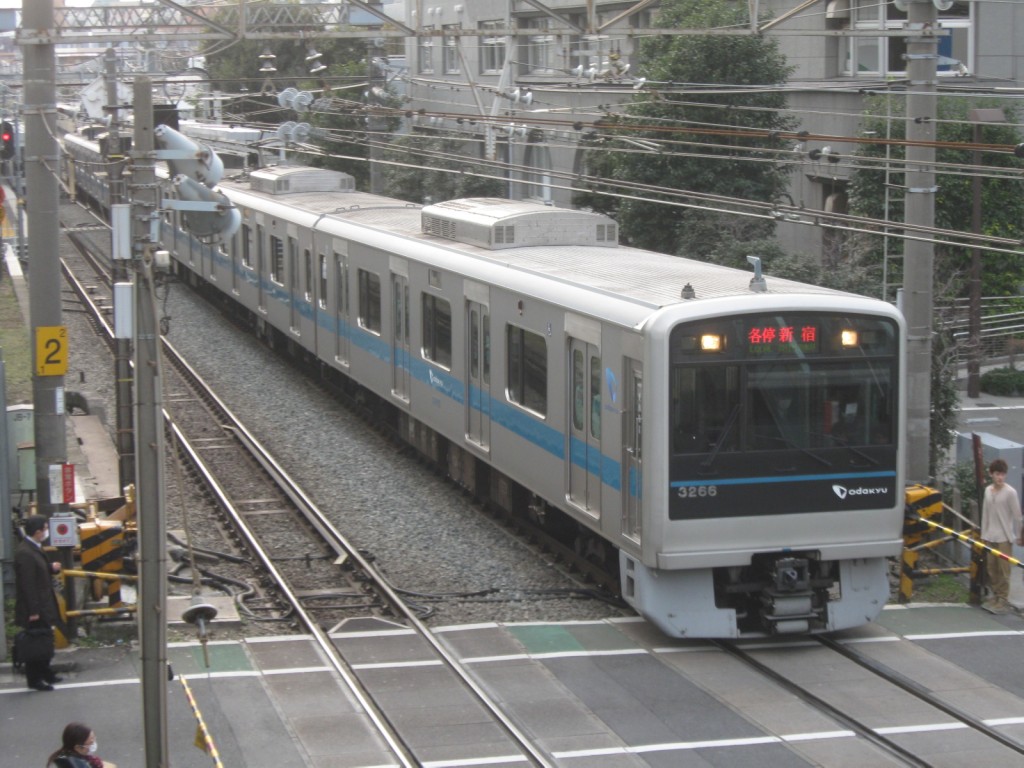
(35, 603)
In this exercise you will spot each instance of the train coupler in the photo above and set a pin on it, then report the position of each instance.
(787, 605)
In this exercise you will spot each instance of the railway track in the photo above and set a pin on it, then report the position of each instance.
(890, 691)
(305, 605)
(315, 577)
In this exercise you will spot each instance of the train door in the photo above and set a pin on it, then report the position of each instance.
(632, 459)
(478, 373)
(585, 425)
(341, 325)
(400, 335)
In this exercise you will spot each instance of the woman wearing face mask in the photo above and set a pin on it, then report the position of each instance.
(78, 749)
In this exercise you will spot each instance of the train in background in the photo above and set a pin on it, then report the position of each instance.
(733, 441)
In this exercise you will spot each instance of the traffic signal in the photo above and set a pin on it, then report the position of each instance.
(6, 140)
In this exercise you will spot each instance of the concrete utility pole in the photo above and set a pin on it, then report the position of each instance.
(149, 468)
(41, 161)
(919, 257)
(119, 274)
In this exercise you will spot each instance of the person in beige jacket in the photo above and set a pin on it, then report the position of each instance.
(1000, 528)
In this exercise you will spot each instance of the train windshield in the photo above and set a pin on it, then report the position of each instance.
(758, 399)
(772, 406)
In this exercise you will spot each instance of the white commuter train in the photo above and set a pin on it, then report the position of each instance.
(735, 441)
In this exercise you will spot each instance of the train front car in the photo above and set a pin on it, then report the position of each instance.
(774, 494)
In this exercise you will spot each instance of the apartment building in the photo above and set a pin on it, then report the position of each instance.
(570, 62)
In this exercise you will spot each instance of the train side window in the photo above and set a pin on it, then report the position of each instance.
(527, 369)
(307, 263)
(260, 249)
(577, 390)
(322, 297)
(487, 348)
(246, 246)
(293, 265)
(437, 330)
(342, 286)
(369, 301)
(595, 397)
(222, 257)
(276, 259)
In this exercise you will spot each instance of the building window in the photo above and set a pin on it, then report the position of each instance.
(492, 49)
(369, 301)
(425, 51)
(450, 52)
(437, 330)
(527, 369)
(537, 159)
(540, 47)
(884, 56)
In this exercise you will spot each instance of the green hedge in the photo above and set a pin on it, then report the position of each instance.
(1003, 381)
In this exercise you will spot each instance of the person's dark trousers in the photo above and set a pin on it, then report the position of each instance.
(38, 673)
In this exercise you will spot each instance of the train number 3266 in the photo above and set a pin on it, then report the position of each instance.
(697, 491)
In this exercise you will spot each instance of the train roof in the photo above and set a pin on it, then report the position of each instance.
(652, 280)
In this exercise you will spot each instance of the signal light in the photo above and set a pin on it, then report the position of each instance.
(6, 140)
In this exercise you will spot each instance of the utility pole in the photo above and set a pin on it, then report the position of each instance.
(119, 274)
(40, 162)
(149, 470)
(919, 256)
(376, 125)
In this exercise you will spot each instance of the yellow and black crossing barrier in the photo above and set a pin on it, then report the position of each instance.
(976, 544)
(99, 576)
(102, 543)
(921, 503)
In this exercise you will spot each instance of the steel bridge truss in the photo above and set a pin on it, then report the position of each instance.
(168, 20)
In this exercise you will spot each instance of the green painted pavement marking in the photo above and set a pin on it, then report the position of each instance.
(546, 639)
(223, 658)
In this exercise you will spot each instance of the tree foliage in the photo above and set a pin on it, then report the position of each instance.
(452, 171)
(1002, 204)
(1002, 208)
(712, 133)
(339, 111)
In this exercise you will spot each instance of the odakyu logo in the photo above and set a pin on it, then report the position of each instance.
(437, 382)
(842, 491)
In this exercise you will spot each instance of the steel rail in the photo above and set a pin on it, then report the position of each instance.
(919, 691)
(890, 746)
(343, 547)
(338, 543)
(376, 716)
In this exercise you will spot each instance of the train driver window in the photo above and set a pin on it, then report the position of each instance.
(706, 409)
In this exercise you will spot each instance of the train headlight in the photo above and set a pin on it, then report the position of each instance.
(849, 338)
(710, 342)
